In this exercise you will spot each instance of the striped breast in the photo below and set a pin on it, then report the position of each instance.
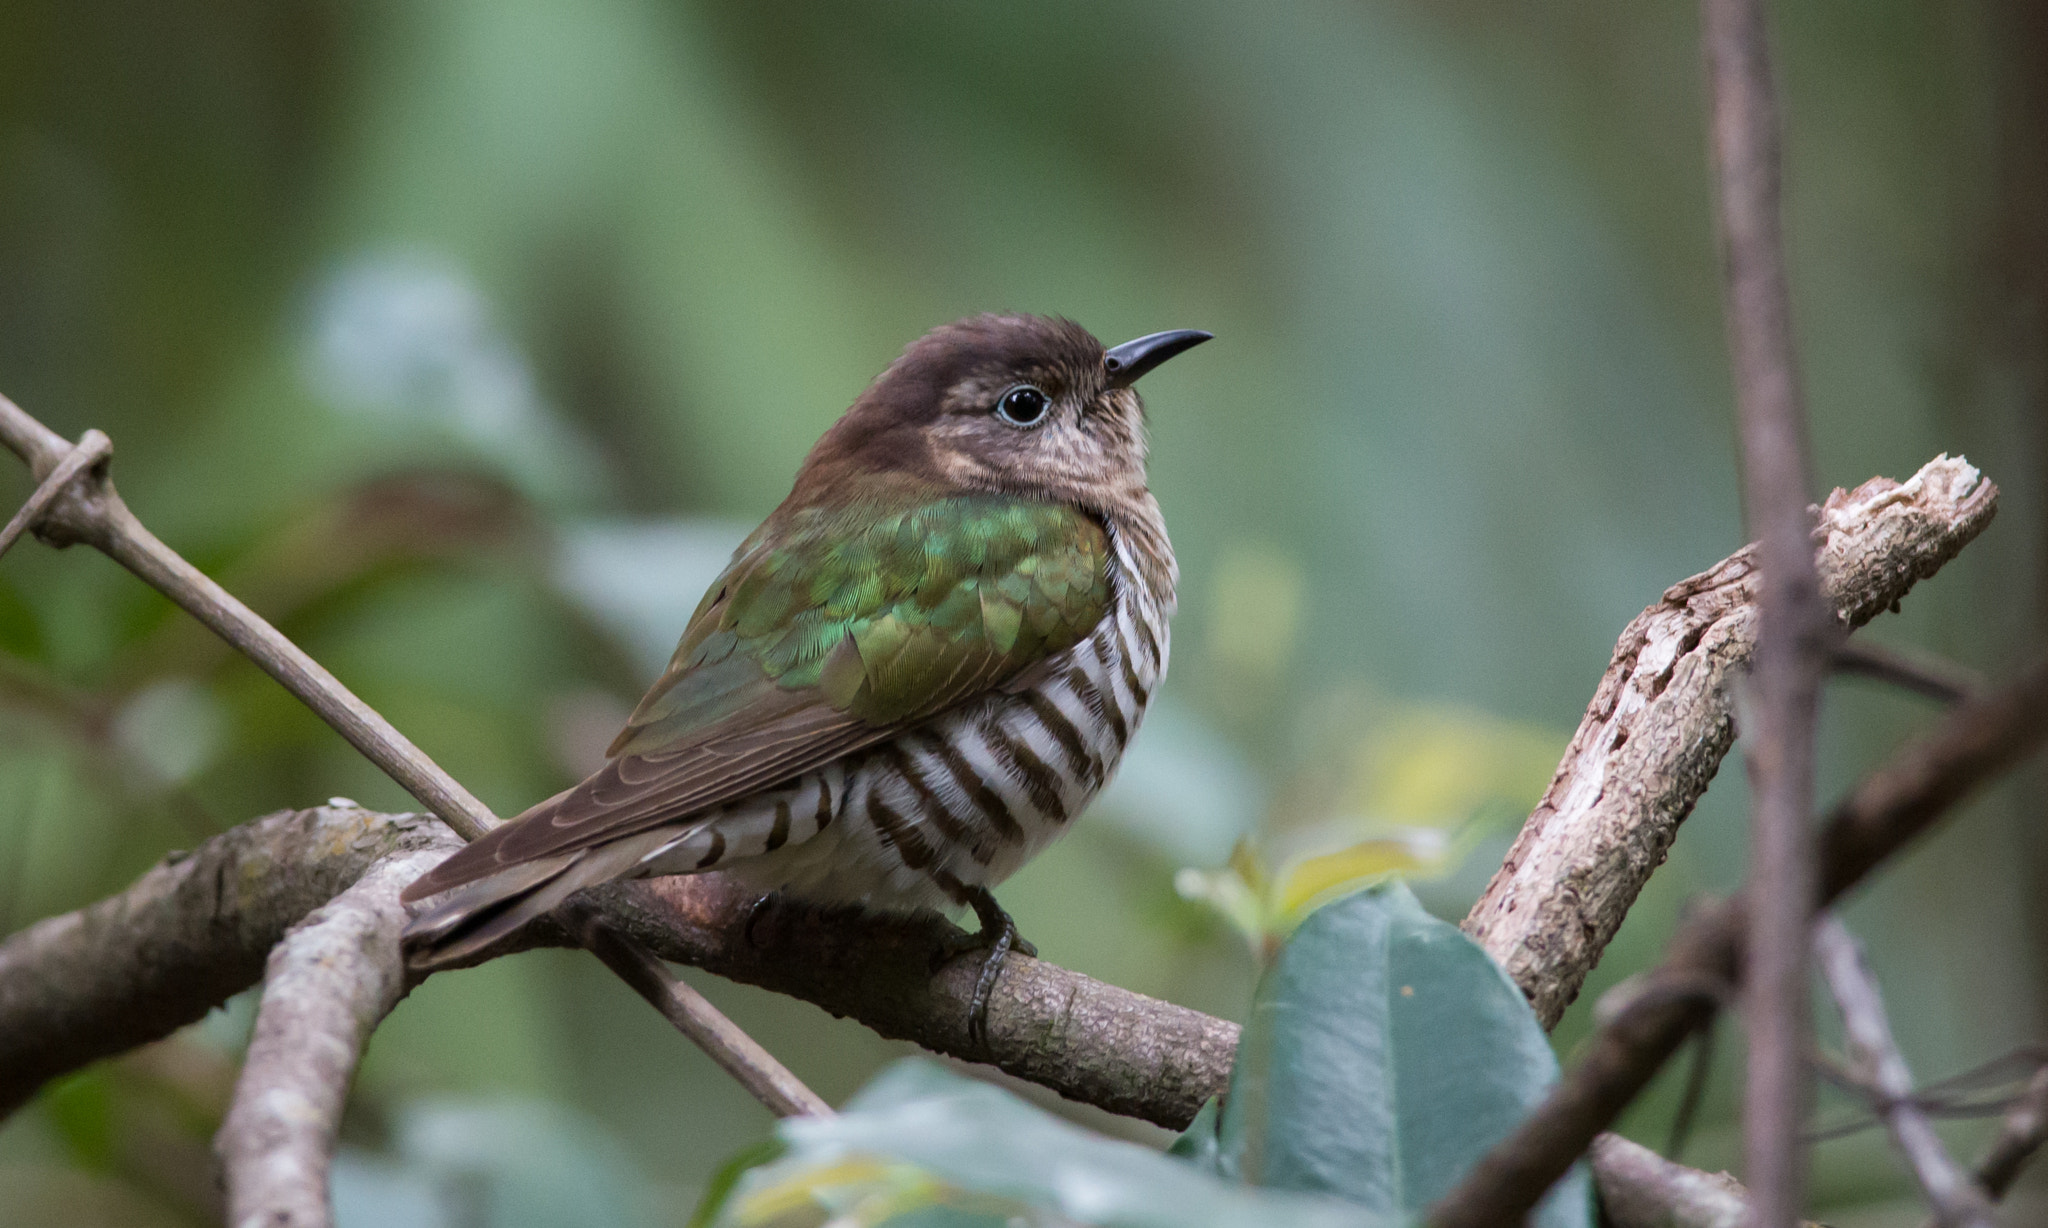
(971, 795)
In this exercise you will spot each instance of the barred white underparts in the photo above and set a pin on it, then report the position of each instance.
(969, 797)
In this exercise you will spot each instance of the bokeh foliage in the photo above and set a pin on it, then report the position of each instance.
(462, 338)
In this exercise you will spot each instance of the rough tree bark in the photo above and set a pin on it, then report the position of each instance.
(326, 987)
(188, 935)
(1662, 719)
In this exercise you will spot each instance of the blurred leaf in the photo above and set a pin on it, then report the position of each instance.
(409, 343)
(1405, 791)
(1182, 789)
(723, 1182)
(642, 579)
(1385, 1054)
(173, 729)
(81, 1110)
(921, 1145)
(1199, 1144)
(1316, 878)
(369, 1191)
(1437, 765)
(21, 631)
(509, 1164)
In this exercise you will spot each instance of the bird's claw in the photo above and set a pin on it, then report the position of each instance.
(760, 909)
(997, 936)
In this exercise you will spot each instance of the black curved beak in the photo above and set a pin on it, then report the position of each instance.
(1126, 362)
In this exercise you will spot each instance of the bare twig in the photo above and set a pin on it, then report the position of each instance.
(92, 448)
(1921, 673)
(740, 1054)
(1661, 721)
(90, 510)
(1957, 1200)
(1641, 1189)
(1795, 635)
(1974, 742)
(2024, 1131)
(328, 985)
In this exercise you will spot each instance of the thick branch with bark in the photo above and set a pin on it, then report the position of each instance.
(1662, 719)
(1087, 1040)
(328, 985)
(188, 935)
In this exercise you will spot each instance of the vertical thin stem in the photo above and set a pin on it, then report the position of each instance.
(1795, 631)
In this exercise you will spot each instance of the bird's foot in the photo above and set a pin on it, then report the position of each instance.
(997, 936)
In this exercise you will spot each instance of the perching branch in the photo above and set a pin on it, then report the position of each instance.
(1662, 718)
(1974, 742)
(86, 508)
(327, 987)
(194, 931)
(1882, 1069)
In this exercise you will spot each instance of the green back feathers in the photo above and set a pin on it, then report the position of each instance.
(886, 617)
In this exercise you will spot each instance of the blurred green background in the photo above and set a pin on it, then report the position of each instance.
(463, 339)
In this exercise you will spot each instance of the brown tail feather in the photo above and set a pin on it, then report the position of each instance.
(474, 861)
(482, 911)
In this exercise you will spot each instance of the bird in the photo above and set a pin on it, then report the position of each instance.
(909, 680)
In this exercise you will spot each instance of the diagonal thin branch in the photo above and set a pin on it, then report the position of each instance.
(739, 1054)
(1922, 673)
(327, 987)
(1957, 1200)
(89, 510)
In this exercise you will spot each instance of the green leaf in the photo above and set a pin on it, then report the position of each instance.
(718, 1191)
(921, 1147)
(1199, 1144)
(1385, 1054)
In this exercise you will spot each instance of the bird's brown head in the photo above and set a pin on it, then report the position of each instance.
(1018, 404)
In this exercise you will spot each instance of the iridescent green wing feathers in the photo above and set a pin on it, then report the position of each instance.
(832, 635)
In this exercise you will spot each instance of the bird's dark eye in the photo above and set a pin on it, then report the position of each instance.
(1022, 406)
